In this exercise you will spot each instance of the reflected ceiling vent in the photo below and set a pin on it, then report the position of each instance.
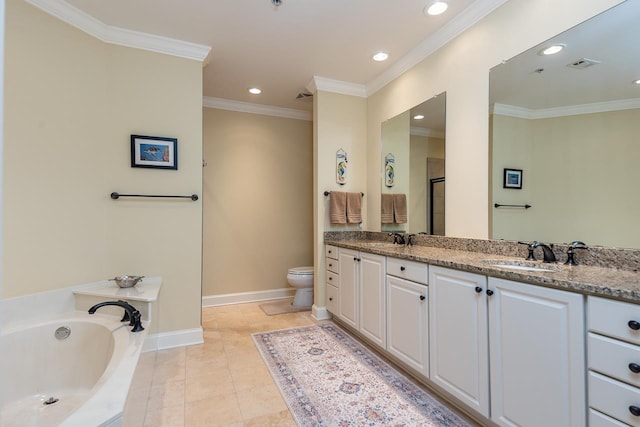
(304, 96)
(583, 63)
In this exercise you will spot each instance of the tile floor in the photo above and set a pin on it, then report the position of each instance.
(222, 382)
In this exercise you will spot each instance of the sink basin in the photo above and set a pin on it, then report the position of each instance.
(521, 265)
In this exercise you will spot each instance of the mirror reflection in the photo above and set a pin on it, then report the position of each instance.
(415, 140)
(570, 121)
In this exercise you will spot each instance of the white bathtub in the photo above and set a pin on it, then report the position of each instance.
(89, 372)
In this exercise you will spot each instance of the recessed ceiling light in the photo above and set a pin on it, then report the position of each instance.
(255, 91)
(552, 50)
(380, 56)
(418, 117)
(436, 8)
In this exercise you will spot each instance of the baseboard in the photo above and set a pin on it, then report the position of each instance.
(181, 338)
(320, 313)
(244, 297)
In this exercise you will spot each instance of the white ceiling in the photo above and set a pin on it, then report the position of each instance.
(280, 49)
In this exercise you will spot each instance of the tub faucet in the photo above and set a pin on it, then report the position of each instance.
(131, 313)
(547, 251)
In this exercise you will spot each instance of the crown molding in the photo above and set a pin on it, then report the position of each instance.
(120, 36)
(429, 133)
(569, 110)
(336, 86)
(465, 20)
(248, 107)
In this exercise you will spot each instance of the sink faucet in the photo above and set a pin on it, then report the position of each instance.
(547, 251)
(398, 239)
(410, 239)
(131, 313)
(571, 251)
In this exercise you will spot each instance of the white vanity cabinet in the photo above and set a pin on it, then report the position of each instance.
(614, 362)
(331, 260)
(513, 352)
(361, 296)
(407, 313)
(458, 347)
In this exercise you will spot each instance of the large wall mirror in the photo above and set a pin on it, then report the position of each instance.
(571, 123)
(413, 164)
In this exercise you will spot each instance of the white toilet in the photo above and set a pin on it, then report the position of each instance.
(301, 278)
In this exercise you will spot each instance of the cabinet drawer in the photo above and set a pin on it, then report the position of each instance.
(331, 251)
(332, 299)
(332, 265)
(598, 419)
(613, 398)
(410, 270)
(333, 279)
(615, 319)
(612, 358)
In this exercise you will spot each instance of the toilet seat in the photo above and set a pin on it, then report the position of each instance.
(301, 271)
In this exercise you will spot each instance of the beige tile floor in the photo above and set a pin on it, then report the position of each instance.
(222, 382)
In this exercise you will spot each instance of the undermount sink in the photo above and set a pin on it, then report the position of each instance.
(520, 265)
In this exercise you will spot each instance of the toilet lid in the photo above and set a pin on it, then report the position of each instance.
(301, 271)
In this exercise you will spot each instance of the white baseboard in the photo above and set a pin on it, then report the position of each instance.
(244, 297)
(165, 340)
(320, 313)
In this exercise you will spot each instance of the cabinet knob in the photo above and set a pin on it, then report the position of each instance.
(422, 297)
(355, 258)
(478, 289)
(634, 325)
(489, 292)
(330, 278)
(402, 268)
(330, 265)
(634, 367)
(329, 251)
(634, 410)
(330, 299)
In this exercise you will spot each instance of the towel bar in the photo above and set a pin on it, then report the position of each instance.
(498, 205)
(116, 196)
(326, 193)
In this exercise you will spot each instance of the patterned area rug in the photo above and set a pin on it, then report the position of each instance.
(327, 379)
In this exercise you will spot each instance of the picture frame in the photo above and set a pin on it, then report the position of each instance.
(512, 179)
(154, 152)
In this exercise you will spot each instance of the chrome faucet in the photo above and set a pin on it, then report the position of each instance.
(131, 313)
(547, 251)
(398, 239)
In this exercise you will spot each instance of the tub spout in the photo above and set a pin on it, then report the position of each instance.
(132, 314)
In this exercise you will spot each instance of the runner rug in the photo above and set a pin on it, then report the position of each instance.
(328, 379)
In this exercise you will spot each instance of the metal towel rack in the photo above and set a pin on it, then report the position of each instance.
(498, 205)
(116, 196)
(326, 193)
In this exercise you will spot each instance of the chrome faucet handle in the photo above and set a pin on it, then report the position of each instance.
(530, 247)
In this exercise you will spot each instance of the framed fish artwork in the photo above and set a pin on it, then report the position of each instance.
(154, 152)
(341, 167)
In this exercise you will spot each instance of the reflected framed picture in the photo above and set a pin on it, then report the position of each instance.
(512, 179)
(154, 152)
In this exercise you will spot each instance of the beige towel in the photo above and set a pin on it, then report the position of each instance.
(338, 207)
(354, 208)
(386, 209)
(400, 208)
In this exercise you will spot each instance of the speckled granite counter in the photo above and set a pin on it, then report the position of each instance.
(622, 284)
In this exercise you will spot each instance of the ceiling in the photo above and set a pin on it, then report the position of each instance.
(280, 49)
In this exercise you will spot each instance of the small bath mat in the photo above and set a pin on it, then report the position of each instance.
(281, 306)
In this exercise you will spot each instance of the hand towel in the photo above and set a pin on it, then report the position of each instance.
(386, 209)
(354, 208)
(400, 208)
(338, 207)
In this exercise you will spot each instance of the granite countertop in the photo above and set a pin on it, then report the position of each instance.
(590, 280)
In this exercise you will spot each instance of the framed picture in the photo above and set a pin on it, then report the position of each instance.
(154, 152)
(512, 179)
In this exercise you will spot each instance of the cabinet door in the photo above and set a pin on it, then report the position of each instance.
(537, 356)
(372, 298)
(407, 323)
(348, 289)
(458, 335)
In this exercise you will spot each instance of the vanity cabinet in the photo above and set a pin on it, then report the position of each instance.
(331, 258)
(614, 362)
(513, 352)
(361, 296)
(407, 313)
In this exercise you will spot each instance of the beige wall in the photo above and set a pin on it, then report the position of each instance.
(422, 147)
(580, 176)
(257, 200)
(70, 105)
(461, 68)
